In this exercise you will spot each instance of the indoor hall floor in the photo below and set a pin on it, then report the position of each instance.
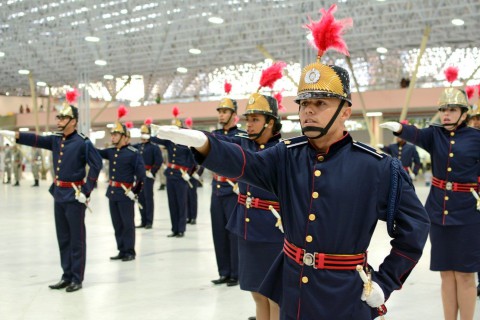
(170, 278)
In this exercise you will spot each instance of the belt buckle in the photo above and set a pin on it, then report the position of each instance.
(308, 258)
(449, 186)
(248, 202)
(58, 184)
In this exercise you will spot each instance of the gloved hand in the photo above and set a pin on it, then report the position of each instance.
(380, 146)
(376, 298)
(80, 197)
(8, 133)
(196, 176)
(186, 176)
(235, 188)
(392, 126)
(131, 195)
(186, 137)
(149, 174)
(412, 175)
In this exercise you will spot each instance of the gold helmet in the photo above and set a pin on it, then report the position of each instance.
(453, 97)
(262, 104)
(119, 127)
(145, 128)
(227, 103)
(318, 80)
(68, 110)
(175, 121)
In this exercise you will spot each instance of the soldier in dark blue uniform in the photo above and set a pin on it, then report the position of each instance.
(407, 154)
(71, 152)
(455, 152)
(180, 163)
(328, 215)
(127, 174)
(152, 157)
(259, 231)
(224, 200)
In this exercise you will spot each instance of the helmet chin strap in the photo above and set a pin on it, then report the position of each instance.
(255, 136)
(224, 123)
(454, 125)
(323, 131)
(66, 124)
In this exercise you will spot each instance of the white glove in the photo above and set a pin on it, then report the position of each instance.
(186, 137)
(376, 298)
(380, 146)
(412, 175)
(196, 176)
(8, 133)
(392, 126)
(235, 188)
(186, 176)
(131, 195)
(80, 197)
(149, 174)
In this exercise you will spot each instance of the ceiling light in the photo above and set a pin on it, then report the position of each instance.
(108, 77)
(24, 71)
(458, 22)
(215, 20)
(100, 62)
(92, 39)
(382, 50)
(182, 70)
(2, 54)
(195, 51)
(374, 114)
(41, 84)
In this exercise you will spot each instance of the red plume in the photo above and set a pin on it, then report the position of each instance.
(72, 95)
(470, 91)
(122, 111)
(451, 73)
(279, 98)
(148, 121)
(129, 124)
(272, 74)
(175, 111)
(227, 87)
(404, 121)
(189, 122)
(328, 33)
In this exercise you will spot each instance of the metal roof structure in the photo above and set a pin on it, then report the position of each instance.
(150, 41)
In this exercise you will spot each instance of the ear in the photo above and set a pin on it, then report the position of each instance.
(346, 113)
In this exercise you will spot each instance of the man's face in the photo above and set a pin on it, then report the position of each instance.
(474, 122)
(224, 116)
(255, 123)
(318, 112)
(64, 123)
(116, 138)
(450, 115)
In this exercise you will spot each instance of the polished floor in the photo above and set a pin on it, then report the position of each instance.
(170, 279)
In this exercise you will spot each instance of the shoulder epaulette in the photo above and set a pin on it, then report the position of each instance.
(57, 133)
(295, 141)
(131, 148)
(369, 149)
(242, 135)
(84, 137)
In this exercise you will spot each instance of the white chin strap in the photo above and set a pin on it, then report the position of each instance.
(145, 136)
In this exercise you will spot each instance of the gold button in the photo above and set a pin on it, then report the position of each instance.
(305, 279)
(63, 138)
(399, 157)
(56, 177)
(320, 158)
(317, 173)
(311, 217)
(113, 169)
(449, 169)
(114, 162)
(248, 193)
(173, 154)
(116, 155)
(451, 155)
(61, 153)
(113, 177)
(446, 198)
(174, 149)
(59, 161)
(309, 238)
(452, 142)
(452, 134)
(111, 192)
(445, 212)
(247, 219)
(400, 148)
(225, 132)
(172, 173)
(173, 161)
(62, 145)
(262, 146)
(218, 186)
(58, 169)
(315, 195)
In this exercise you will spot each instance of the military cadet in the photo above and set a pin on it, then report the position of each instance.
(17, 158)
(127, 175)
(224, 200)
(71, 152)
(7, 164)
(152, 158)
(36, 165)
(452, 202)
(328, 215)
(406, 153)
(474, 118)
(180, 163)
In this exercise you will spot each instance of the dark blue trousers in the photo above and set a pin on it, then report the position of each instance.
(71, 237)
(177, 192)
(145, 198)
(123, 216)
(225, 243)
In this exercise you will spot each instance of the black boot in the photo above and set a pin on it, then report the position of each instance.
(16, 184)
(36, 183)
